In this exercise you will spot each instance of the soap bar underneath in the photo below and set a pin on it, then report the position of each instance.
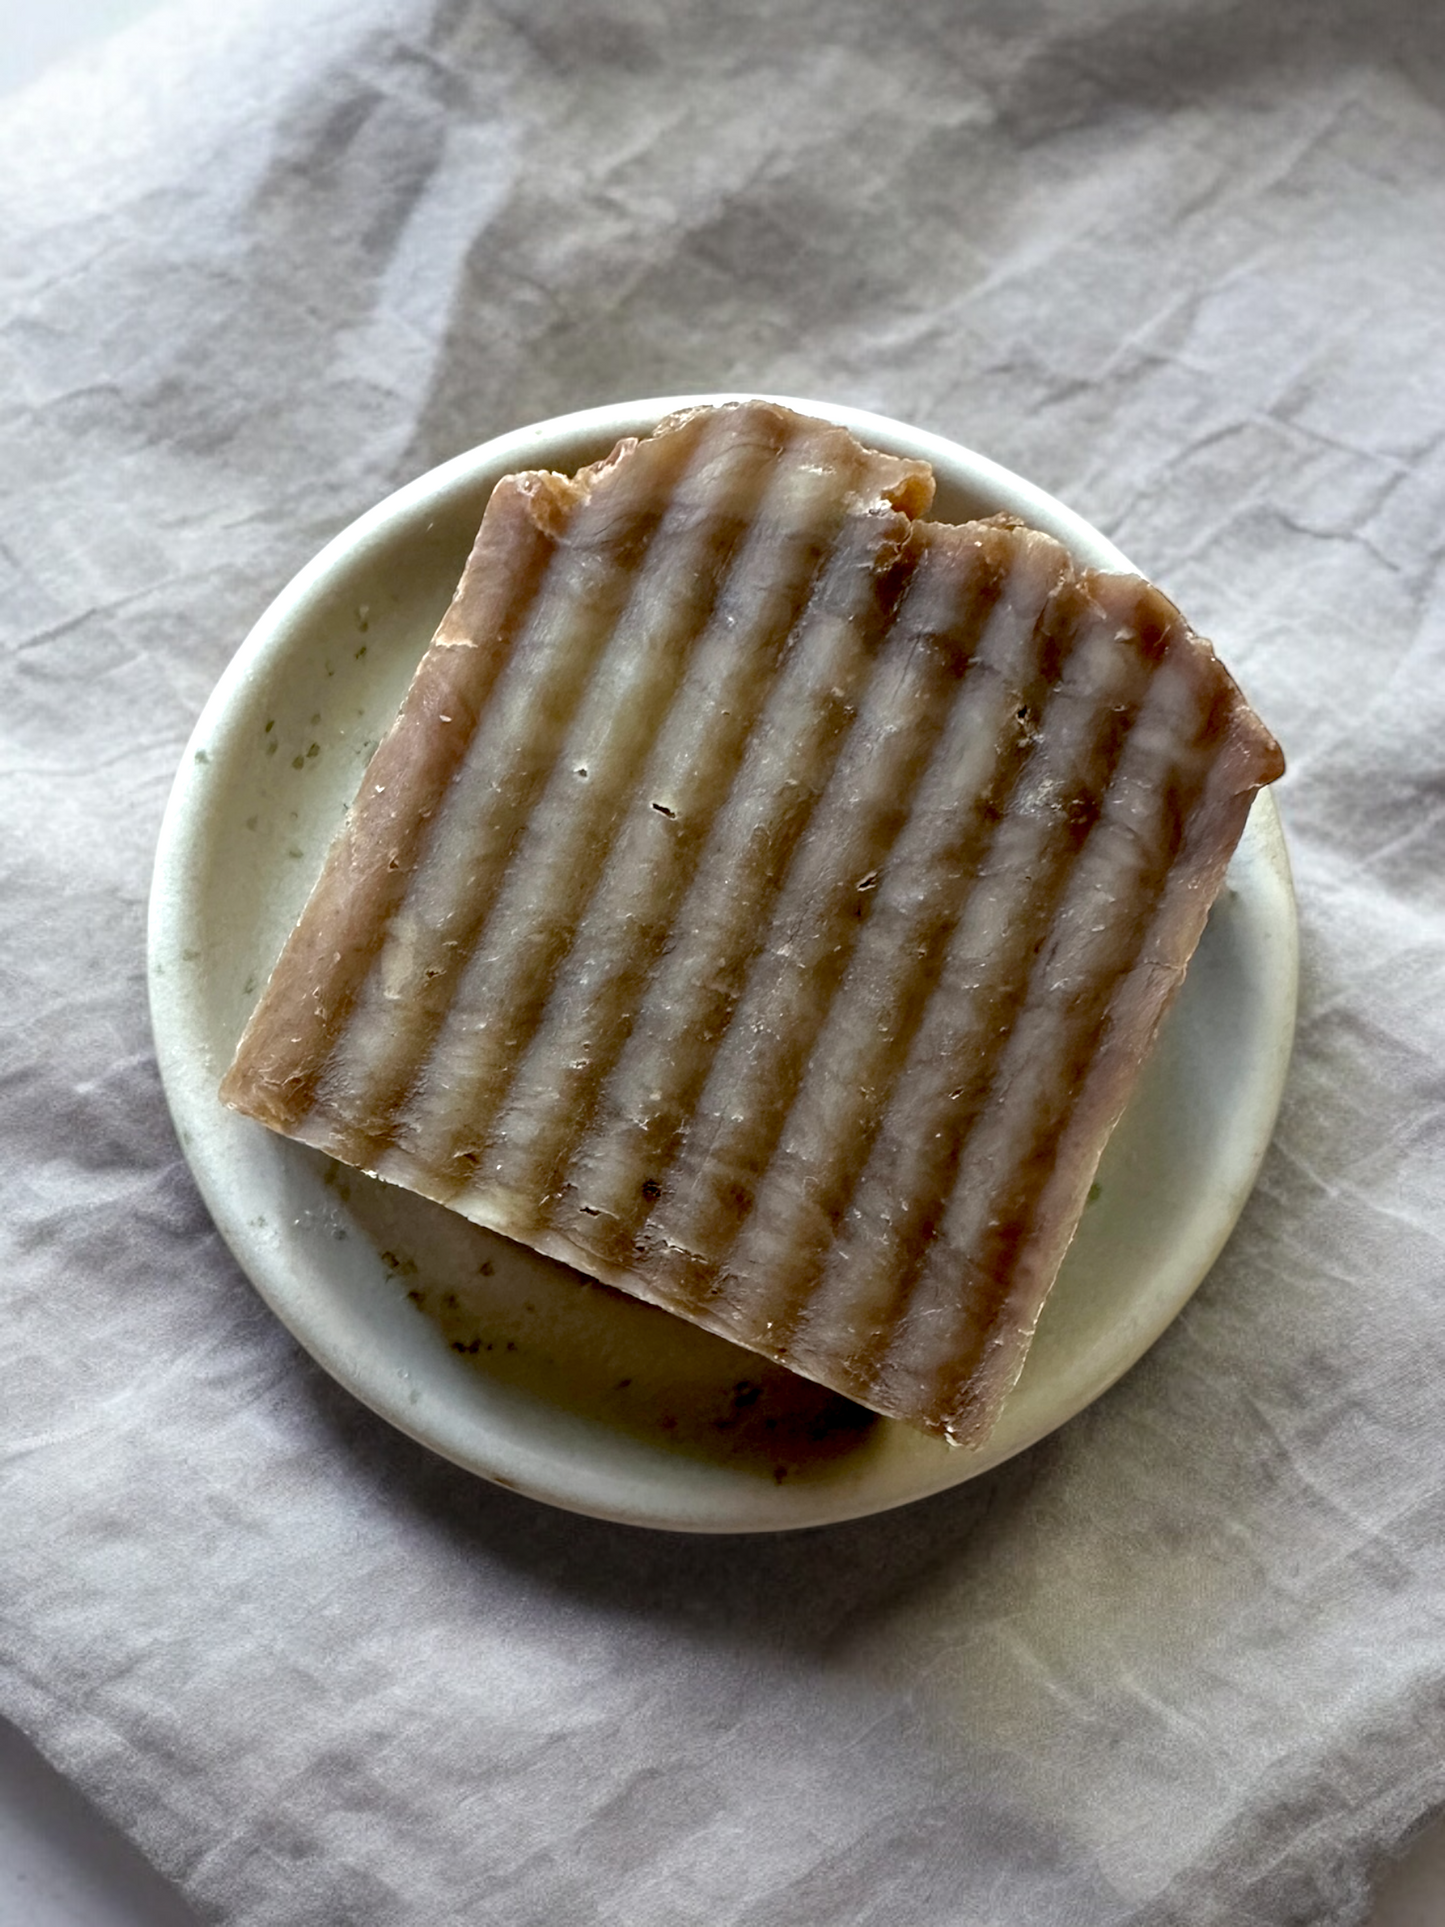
(765, 901)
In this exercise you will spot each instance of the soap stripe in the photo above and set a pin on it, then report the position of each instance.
(982, 756)
(320, 976)
(994, 1212)
(724, 918)
(950, 1076)
(797, 986)
(482, 818)
(513, 957)
(639, 904)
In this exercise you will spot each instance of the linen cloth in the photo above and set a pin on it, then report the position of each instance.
(1183, 265)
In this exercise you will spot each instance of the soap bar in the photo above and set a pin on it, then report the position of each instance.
(765, 901)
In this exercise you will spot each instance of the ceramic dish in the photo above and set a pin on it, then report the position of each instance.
(507, 1363)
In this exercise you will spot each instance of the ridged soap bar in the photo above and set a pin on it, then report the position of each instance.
(765, 900)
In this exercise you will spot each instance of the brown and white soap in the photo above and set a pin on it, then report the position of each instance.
(765, 900)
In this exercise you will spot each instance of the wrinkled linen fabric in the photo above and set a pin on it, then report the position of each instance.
(1184, 265)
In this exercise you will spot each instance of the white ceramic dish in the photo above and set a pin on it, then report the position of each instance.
(509, 1364)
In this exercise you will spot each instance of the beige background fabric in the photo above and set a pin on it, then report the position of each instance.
(1181, 264)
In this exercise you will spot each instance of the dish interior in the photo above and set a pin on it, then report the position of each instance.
(504, 1361)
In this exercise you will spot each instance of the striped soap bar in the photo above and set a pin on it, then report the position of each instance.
(765, 900)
